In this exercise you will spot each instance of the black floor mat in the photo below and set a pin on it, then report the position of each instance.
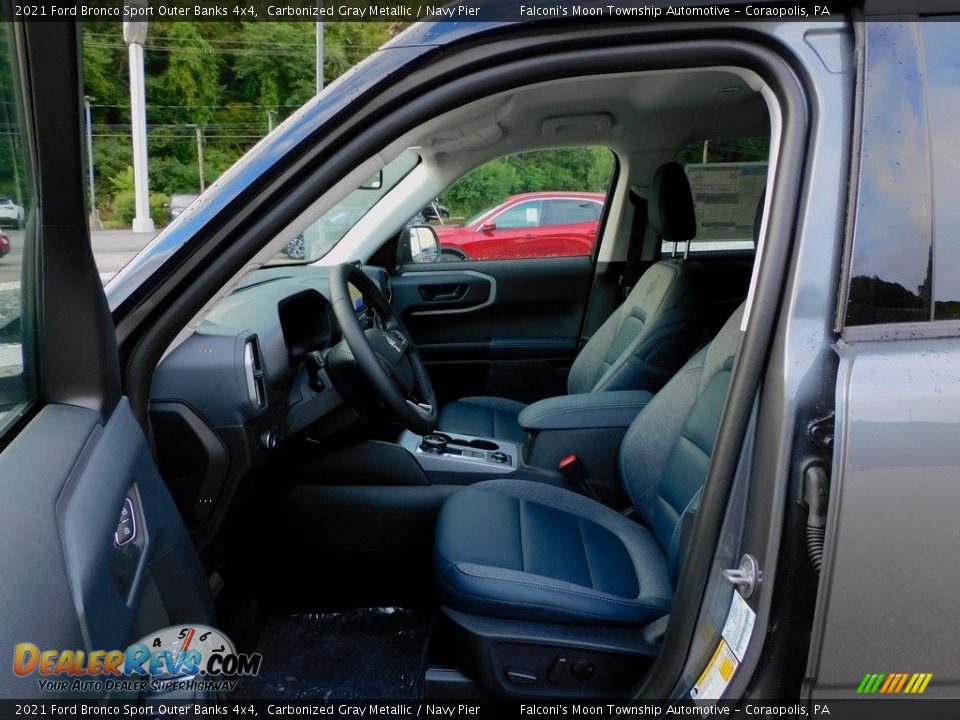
(373, 653)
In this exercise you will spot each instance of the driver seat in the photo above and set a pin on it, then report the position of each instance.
(525, 550)
(641, 345)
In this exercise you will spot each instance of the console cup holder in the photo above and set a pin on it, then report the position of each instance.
(484, 445)
(476, 443)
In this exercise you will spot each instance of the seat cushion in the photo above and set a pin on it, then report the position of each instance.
(488, 417)
(531, 551)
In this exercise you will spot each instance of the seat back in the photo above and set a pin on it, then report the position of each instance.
(666, 451)
(659, 324)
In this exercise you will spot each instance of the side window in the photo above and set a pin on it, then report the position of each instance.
(523, 215)
(906, 245)
(727, 178)
(942, 64)
(541, 204)
(16, 202)
(570, 212)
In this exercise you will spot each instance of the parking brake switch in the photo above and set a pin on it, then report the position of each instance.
(575, 473)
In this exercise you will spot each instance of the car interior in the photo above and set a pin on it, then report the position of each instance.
(483, 474)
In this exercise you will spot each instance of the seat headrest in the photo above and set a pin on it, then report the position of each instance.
(670, 206)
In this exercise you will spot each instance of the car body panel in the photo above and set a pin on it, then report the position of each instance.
(10, 213)
(892, 577)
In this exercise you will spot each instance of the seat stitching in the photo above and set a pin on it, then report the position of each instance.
(586, 554)
(553, 588)
(562, 611)
(523, 555)
(592, 408)
(611, 519)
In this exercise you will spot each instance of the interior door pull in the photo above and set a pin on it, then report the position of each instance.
(443, 293)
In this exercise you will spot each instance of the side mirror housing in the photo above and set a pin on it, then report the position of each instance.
(488, 227)
(418, 244)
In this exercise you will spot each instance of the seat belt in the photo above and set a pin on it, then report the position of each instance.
(638, 228)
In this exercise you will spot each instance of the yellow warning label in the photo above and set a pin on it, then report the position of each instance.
(717, 675)
(726, 668)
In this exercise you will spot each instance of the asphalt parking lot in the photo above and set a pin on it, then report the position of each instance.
(112, 249)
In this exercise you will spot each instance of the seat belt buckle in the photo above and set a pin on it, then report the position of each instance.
(575, 473)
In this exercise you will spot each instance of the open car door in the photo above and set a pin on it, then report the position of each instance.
(93, 554)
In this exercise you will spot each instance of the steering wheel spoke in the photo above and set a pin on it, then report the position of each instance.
(386, 355)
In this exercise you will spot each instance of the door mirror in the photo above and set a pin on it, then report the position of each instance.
(418, 244)
(488, 227)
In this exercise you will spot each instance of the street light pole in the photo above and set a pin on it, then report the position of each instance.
(94, 212)
(203, 184)
(135, 34)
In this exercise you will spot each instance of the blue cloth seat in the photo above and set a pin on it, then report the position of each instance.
(641, 345)
(531, 551)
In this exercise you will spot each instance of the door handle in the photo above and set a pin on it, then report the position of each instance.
(443, 293)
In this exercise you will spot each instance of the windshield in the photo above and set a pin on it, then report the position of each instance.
(318, 239)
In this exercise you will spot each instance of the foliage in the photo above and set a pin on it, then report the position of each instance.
(123, 207)
(224, 77)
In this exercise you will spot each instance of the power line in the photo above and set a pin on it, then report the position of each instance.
(238, 106)
(186, 42)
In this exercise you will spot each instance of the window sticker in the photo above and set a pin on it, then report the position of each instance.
(739, 625)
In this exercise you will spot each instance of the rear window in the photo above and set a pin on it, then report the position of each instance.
(727, 178)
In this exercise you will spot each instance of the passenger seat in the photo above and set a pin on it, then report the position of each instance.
(642, 344)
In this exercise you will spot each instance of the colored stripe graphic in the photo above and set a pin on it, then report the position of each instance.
(894, 683)
(903, 679)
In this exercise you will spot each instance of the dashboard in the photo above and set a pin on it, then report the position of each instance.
(249, 377)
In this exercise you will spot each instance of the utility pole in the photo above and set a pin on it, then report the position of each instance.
(319, 51)
(203, 184)
(706, 146)
(135, 34)
(94, 212)
(270, 114)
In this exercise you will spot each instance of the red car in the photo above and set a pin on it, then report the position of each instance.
(4, 244)
(532, 225)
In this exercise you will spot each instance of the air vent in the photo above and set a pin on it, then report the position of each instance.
(253, 369)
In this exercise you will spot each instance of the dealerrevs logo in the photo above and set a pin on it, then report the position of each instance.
(178, 657)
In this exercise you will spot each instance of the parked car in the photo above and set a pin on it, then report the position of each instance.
(180, 202)
(11, 214)
(313, 242)
(435, 212)
(4, 244)
(531, 225)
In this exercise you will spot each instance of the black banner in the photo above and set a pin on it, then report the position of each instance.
(848, 709)
(412, 11)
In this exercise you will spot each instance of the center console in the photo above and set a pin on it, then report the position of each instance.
(457, 459)
(441, 452)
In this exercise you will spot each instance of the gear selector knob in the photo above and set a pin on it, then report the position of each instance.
(436, 444)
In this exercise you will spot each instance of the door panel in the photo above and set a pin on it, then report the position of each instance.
(512, 331)
(74, 576)
(70, 581)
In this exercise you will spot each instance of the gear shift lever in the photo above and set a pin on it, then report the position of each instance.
(436, 444)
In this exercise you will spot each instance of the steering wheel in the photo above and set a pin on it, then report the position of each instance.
(387, 356)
